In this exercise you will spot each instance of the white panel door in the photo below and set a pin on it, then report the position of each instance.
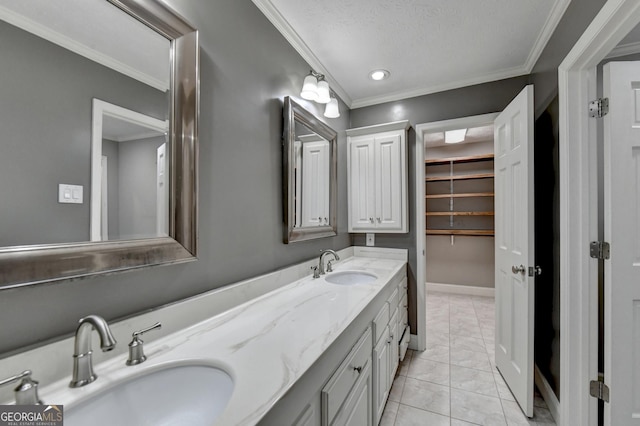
(315, 183)
(389, 173)
(514, 242)
(621, 84)
(361, 184)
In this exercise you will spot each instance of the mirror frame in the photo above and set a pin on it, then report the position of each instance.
(293, 112)
(33, 264)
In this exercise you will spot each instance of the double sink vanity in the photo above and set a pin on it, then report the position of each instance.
(283, 348)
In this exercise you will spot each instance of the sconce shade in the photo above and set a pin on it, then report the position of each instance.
(323, 92)
(332, 110)
(309, 88)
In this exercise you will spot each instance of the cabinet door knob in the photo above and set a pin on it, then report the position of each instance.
(358, 369)
(371, 219)
(379, 221)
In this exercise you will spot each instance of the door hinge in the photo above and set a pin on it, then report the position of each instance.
(600, 250)
(599, 108)
(598, 389)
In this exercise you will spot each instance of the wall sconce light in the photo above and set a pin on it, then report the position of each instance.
(316, 88)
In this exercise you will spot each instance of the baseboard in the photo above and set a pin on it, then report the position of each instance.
(461, 289)
(413, 342)
(548, 394)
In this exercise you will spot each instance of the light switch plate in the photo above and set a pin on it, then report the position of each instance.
(371, 240)
(71, 194)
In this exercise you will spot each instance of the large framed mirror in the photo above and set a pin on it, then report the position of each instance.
(107, 66)
(310, 179)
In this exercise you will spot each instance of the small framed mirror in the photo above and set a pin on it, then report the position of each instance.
(309, 175)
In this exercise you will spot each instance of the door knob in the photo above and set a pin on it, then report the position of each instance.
(518, 269)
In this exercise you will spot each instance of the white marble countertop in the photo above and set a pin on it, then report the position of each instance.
(265, 344)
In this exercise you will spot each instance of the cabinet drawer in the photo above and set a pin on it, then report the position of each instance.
(403, 305)
(404, 342)
(337, 389)
(403, 287)
(380, 322)
(393, 300)
(404, 317)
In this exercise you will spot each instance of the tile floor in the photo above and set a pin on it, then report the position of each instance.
(454, 381)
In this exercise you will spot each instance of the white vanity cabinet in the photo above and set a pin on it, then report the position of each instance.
(349, 384)
(377, 178)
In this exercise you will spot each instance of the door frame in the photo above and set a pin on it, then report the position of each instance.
(421, 237)
(579, 208)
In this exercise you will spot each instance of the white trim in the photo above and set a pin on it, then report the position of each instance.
(450, 85)
(421, 238)
(548, 394)
(281, 24)
(559, 7)
(81, 49)
(413, 342)
(578, 208)
(379, 128)
(468, 290)
(624, 50)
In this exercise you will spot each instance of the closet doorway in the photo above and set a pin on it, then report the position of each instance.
(444, 227)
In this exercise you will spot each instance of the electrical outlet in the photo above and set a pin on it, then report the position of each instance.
(371, 240)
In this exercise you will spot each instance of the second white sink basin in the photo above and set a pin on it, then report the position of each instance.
(179, 395)
(350, 277)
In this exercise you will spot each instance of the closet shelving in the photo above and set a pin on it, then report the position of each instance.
(455, 176)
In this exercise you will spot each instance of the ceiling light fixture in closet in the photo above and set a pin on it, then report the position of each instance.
(378, 75)
(316, 88)
(455, 136)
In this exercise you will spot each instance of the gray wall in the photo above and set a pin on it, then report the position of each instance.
(247, 68)
(45, 117)
(137, 188)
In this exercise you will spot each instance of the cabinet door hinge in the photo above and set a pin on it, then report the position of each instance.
(600, 250)
(598, 389)
(599, 108)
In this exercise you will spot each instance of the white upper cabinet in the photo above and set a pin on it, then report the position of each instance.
(377, 178)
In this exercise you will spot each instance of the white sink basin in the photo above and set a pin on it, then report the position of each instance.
(350, 277)
(179, 395)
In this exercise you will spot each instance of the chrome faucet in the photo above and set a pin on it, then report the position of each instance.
(82, 365)
(323, 255)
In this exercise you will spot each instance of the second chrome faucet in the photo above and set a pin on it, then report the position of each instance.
(324, 254)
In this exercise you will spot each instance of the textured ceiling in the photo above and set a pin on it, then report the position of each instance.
(427, 45)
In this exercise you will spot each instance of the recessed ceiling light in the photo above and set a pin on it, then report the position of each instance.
(379, 74)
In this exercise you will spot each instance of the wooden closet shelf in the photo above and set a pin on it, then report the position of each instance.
(461, 195)
(470, 232)
(459, 177)
(460, 213)
(466, 159)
